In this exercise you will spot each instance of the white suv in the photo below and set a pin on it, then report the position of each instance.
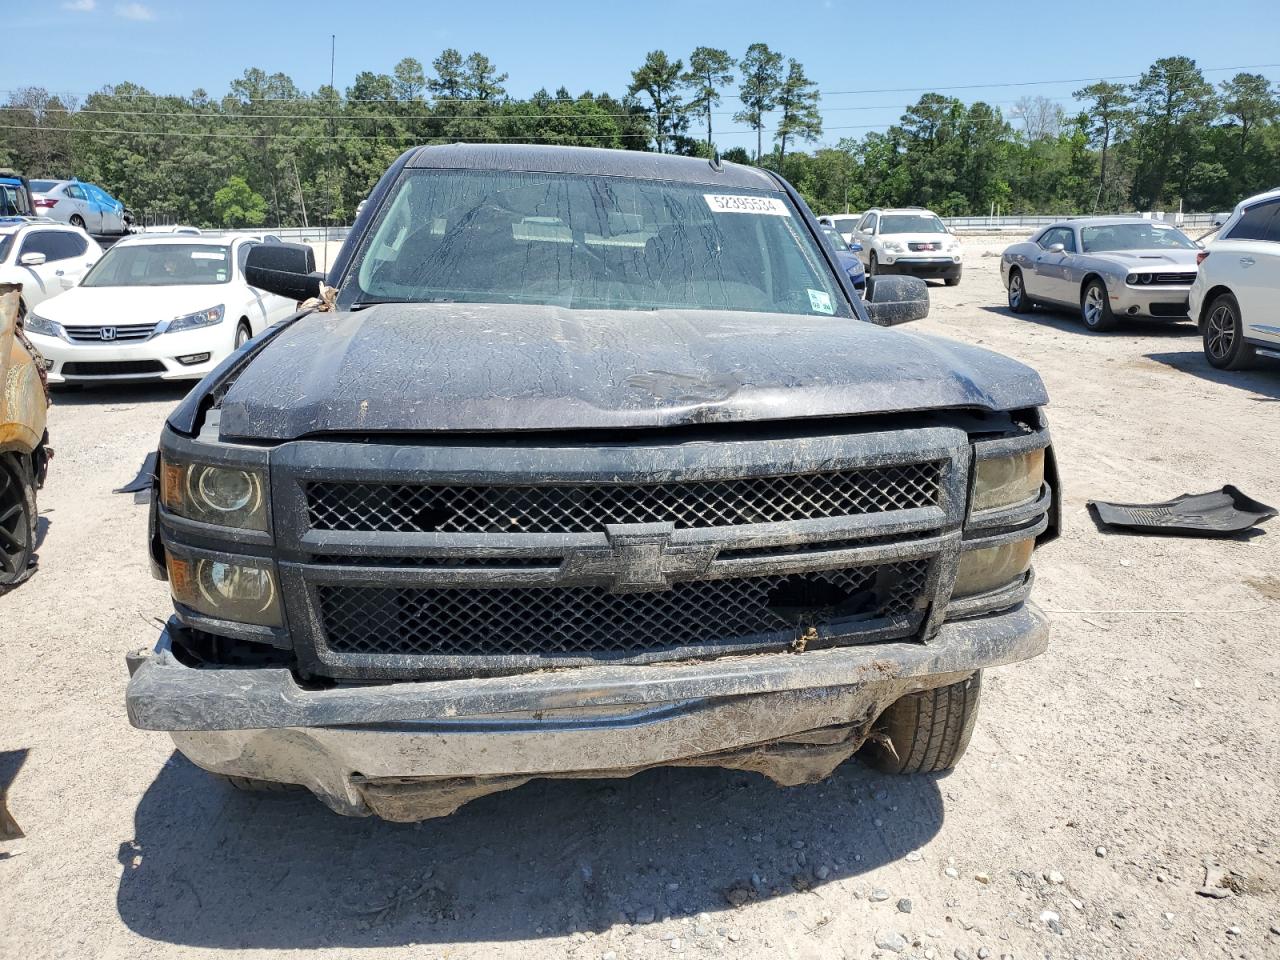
(1236, 295)
(909, 240)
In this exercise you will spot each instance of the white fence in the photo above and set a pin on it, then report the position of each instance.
(1027, 223)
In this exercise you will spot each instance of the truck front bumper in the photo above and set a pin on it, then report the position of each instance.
(408, 751)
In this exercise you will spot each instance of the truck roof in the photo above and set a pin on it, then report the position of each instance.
(595, 161)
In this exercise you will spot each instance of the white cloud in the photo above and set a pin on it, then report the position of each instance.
(80, 6)
(134, 11)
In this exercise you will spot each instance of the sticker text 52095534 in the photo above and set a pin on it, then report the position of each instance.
(740, 203)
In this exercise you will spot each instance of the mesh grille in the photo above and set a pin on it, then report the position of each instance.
(413, 508)
(587, 620)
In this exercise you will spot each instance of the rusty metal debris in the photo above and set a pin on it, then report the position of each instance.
(24, 393)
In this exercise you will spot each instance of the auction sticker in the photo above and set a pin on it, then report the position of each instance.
(739, 203)
(820, 302)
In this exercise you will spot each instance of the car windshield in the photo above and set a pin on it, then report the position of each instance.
(845, 224)
(584, 242)
(42, 186)
(160, 265)
(13, 200)
(911, 223)
(1142, 235)
(837, 241)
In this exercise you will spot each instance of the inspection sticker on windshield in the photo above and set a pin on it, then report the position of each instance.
(820, 301)
(737, 203)
(207, 255)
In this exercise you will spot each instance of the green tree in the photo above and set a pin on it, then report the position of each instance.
(410, 80)
(709, 70)
(483, 82)
(761, 71)
(1174, 104)
(798, 100)
(658, 78)
(236, 205)
(1106, 115)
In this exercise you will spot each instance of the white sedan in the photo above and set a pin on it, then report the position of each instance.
(155, 308)
(46, 258)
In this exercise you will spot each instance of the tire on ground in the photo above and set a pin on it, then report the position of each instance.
(250, 785)
(1106, 320)
(18, 518)
(929, 730)
(1222, 320)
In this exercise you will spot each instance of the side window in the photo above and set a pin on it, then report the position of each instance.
(1257, 223)
(869, 223)
(75, 193)
(41, 241)
(242, 257)
(68, 245)
(1062, 235)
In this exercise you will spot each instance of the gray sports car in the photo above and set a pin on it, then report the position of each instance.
(1105, 267)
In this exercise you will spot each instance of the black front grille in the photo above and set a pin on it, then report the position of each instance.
(1180, 278)
(130, 333)
(1169, 309)
(586, 508)
(524, 621)
(118, 368)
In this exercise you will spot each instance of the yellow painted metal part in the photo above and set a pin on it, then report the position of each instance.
(23, 400)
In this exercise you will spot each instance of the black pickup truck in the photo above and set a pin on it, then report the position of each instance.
(582, 462)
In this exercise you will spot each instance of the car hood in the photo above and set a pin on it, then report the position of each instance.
(121, 305)
(1155, 259)
(492, 367)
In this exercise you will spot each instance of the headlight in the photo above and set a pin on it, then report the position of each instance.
(242, 591)
(1131, 279)
(992, 567)
(34, 323)
(893, 246)
(1005, 481)
(201, 318)
(227, 496)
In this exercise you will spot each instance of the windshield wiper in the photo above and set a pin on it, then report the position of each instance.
(361, 304)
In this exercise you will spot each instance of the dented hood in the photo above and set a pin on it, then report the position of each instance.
(499, 367)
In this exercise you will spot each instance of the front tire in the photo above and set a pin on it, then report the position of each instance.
(243, 334)
(17, 523)
(1019, 302)
(952, 281)
(929, 730)
(1223, 335)
(1095, 307)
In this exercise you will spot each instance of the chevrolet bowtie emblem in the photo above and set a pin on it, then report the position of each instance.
(640, 557)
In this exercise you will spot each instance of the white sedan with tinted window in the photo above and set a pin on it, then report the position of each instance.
(168, 308)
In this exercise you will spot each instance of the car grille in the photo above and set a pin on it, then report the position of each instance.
(121, 368)
(587, 508)
(1185, 279)
(525, 621)
(131, 333)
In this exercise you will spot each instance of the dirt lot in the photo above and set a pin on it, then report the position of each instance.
(1102, 778)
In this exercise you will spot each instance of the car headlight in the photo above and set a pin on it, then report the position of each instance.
(1131, 279)
(201, 318)
(1005, 481)
(992, 567)
(34, 323)
(226, 496)
(243, 591)
(894, 246)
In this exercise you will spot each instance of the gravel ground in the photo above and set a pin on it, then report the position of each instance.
(1104, 779)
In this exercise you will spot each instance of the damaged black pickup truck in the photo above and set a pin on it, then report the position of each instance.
(589, 462)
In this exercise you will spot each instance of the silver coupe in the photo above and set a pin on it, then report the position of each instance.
(1105, 267)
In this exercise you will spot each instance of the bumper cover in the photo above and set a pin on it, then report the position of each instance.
(412, 750)
(921, 267)
(1153, 302)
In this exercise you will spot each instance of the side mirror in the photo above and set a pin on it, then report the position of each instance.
(892, 300)
(31, 260)
(285, 269)
(1057, 248)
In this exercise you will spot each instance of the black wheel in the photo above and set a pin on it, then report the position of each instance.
(77, 221)
(1019, 302)
(1095, 307)
(243, 334)
(952, 281)
(17, 523)
(1224, 343)
(250, 785)
(929, 730)
(872, 263)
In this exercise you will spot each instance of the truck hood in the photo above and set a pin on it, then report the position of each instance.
(1148, 259)
(498, 367)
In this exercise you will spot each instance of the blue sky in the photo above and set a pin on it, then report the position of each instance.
(174, 47)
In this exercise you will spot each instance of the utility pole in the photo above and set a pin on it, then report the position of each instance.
(333, 48)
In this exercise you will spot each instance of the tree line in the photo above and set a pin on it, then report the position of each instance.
(269, 152)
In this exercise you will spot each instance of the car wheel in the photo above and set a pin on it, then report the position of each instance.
(17, 523)
(1019, 302)
(243, 334)
(1095, 308)
(77, 221)
(1224, 343)
(951, 281)
(927, 731)
(872, 264)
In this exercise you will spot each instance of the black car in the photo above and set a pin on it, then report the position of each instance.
(582, 462)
